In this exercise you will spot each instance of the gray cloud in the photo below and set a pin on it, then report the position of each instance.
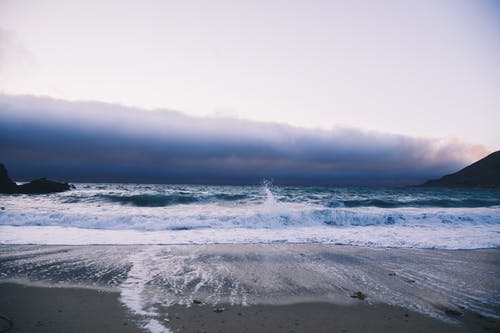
(90, 141)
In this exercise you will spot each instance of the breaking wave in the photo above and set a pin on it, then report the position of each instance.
(262, 218)
(192, 214)
(156, 200)
(444, 203)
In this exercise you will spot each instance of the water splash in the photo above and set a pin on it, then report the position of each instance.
(270, 201)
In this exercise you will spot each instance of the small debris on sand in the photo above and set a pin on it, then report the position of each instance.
(359, 295)
(219, 310)
(453, 313)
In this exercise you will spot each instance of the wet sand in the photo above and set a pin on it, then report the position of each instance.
(318, 317)
(288, 288)
(42, 309)
(38, 309)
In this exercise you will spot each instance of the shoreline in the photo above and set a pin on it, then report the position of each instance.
(274, 287)
(63, 309)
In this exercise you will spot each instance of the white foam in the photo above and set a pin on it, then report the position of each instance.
(134, 292)
(439, 236)
(267, 215)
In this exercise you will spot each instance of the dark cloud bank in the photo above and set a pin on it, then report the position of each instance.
(88, 141)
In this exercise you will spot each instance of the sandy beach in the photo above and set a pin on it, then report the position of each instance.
(318, 317)
(247, 288)
(39, 309)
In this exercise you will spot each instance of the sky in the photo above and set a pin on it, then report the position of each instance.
(426, 71)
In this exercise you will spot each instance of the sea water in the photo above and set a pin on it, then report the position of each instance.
(197, 214)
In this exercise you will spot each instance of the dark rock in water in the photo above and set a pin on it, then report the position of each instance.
(483, 173)
(41, 186)
(7, 186)
(196, 301)
(219, 310)
(38, 186)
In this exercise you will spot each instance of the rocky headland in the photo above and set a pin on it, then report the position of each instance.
(483, 173)
(37, 186)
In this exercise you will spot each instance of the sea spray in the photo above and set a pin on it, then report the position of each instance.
(269, 201)
(271, 209)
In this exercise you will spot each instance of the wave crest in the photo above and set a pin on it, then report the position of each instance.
(155, 200)
(422, 203)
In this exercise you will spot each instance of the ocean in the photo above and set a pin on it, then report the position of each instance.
(122, 214)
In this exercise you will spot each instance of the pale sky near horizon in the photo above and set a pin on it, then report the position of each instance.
(419, 68)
